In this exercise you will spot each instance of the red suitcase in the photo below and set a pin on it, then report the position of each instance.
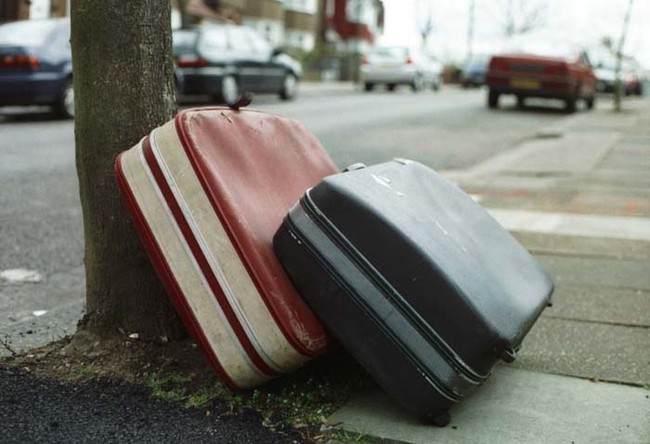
(207, 192)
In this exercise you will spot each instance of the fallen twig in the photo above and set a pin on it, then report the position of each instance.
(5, 344)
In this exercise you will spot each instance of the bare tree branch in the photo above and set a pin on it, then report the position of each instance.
(5, 343)
(522, 16)
(424, 18)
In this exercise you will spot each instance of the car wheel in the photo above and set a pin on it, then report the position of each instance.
(436, 85)
(590, 101)
(493, 99)
(229, 90)
(390, 87)
(64, 107)
(368, 86)
(418, 83)
(570, 105)
(521, 101)
(289, 89)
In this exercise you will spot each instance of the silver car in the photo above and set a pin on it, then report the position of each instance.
(399, 65)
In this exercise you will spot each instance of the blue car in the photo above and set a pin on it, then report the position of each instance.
(473, 72)
(36, 65)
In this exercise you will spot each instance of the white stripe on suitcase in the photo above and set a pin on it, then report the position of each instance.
(260, 327)
(167, 234)
(262, 340)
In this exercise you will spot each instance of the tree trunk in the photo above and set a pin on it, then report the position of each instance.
(124, 87)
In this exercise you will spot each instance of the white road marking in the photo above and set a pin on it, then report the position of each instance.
(19, 275)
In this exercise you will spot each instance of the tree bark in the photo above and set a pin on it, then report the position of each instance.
(124, 87)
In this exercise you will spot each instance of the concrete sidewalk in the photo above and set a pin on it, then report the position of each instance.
(578, 197)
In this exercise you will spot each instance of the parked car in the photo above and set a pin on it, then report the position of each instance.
(36, 65)
(223, 60)
(473, 71)
(559, 75)
(606, 74)
(398, 65)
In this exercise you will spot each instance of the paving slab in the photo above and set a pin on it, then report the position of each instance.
(515, 406)
(597, 304)
(612, 227)
(605, 272)
(544, 243)
(570, 153)
(586, 349)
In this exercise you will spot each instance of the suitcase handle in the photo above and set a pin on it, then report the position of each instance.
(355, 166)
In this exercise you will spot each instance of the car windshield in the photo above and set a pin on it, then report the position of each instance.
(214, 39)
(389, 52)
(544, 49)
(26, 33)
(184, 41)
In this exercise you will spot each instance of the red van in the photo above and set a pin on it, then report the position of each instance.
(568, 78)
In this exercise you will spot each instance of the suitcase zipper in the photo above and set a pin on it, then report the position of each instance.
(391, 293)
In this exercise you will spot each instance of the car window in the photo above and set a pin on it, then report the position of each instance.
(260, 46)
(184, 41)
(27, 33)
(239, 40)
(59, 38)
(389, 52)
(214, 39)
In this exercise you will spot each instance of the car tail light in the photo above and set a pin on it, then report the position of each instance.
(192, 62)
(408, 60)
(20, 61)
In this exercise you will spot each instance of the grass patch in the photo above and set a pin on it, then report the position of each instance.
(302, 400)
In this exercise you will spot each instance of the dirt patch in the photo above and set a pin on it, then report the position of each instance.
(82, 358)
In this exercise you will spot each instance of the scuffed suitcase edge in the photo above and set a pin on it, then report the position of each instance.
(417, 392)
(187, 145)
(156, 256)
(219, 262)
(173, 203)
(241, 371)
(399, 302)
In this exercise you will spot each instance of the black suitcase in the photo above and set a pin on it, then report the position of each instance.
(419, 283)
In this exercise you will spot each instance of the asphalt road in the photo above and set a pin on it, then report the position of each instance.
(34, 410)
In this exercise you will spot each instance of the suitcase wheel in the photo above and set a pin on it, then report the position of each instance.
(509, 355)
(438, 420)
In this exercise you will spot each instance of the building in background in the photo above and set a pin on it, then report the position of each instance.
(301, 23)
(352, 25)
(11, 10)
(285, 23)
(267, 17)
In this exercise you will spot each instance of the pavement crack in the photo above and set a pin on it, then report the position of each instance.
(591, 321)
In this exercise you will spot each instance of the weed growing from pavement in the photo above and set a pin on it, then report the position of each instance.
(347, 437)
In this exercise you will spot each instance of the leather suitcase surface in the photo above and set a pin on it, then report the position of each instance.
(207, 191)
(416, 280)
